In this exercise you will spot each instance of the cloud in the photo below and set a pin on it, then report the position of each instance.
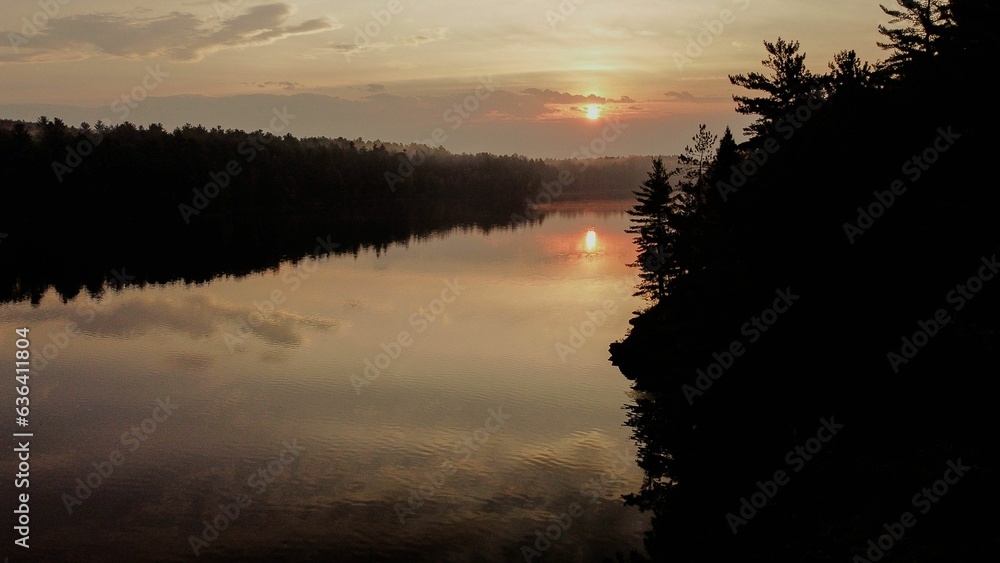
(354, 49)
(284, 85)
(691, 98)
(554, 97)
(679, 96)
(611, 33)
(177, 35)
(426, 36)
(197, 316)
(620, 33)
(499, 105)
(422, 37)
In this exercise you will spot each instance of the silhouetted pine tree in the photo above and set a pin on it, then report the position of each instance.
(926, 22)
(849, 75)
(790, 85)
(698, 158)
(727, 156)
(654, 215)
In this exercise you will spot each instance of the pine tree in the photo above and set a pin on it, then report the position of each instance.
(727, 157)
(658, 207)
(849, 75)
(790, 86)
(926, 23)
(698, 160)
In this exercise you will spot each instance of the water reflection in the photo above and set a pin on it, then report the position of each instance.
(416, 440)
(590, 244)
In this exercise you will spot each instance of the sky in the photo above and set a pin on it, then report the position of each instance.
(542, 78)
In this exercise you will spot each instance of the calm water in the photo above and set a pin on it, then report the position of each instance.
(442, 401)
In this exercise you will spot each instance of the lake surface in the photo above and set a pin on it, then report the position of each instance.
(446, 400)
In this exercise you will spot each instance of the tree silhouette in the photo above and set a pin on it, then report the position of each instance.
(849, 75)
(701, 454)
(657, 208)
(727, 156)
(195, 202)
(925, 24)
(790, 85)
(698, 159)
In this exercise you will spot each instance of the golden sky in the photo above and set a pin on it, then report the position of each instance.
(393, 68)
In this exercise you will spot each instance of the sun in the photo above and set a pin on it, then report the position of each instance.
(593, 111)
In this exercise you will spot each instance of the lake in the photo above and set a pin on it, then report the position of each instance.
(448, 399)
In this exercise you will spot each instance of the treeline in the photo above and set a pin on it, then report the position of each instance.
(835, 265)
(609, 178)
(155, 173)
(194, 203)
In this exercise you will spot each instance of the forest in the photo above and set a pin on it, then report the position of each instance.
(821, 325)
(194, 203)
